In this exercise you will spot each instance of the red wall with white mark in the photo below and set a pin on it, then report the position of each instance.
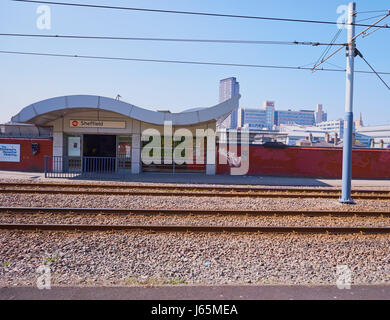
(289, 162)
(314, 162)
(28, 161)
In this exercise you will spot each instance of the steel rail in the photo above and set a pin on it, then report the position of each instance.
(188, 212)
(161, 186)
(215, 229)
(183, 187)
(149, 186)
(252, 193)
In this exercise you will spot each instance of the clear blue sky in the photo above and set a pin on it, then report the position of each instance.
(26, 79)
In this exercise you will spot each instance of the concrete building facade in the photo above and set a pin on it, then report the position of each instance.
(377, 134)
(94, 126)
(229, 88)
(258, 118)
(292, 117)
(333, 126)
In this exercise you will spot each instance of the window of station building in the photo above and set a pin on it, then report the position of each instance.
(72, 153)
(124, 146)
(124, 152)
(74, 146)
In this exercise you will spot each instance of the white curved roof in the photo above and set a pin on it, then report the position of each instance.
(42, 112)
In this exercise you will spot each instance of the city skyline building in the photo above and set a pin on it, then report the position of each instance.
(253, 118)
(267, 117)
(269, 107)
(359, 123)
(375, 133)
(333, 126)
(320, 115)
(297, 134)
(229, 88)
(293, 117)
(257, 118)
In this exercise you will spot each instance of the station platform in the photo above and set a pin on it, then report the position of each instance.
(198, 178)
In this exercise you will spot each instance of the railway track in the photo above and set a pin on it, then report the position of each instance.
(187, 212)
(190, 228)
(216, 229)
(190, 191)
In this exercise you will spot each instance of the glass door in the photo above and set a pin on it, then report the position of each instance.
(72, 161)
(124, 152)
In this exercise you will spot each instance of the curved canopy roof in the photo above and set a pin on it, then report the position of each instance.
(42, 112)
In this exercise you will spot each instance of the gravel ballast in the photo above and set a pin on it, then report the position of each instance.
(159, 184)
(145, 258)
(200, 203)
(149, 258)
(194, 220)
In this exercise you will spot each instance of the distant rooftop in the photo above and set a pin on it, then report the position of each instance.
(24, 130)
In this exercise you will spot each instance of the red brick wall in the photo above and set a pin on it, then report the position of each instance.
(28, 161)
(314, 162)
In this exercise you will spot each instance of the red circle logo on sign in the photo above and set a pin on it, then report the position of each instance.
(75, 123)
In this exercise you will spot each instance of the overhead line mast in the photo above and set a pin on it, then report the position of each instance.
(352, 52)
(348, 123)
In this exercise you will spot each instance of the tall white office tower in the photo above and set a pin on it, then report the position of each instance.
(320, 114)
(228, 88)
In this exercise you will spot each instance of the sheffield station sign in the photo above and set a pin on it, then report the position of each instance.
(97, 124)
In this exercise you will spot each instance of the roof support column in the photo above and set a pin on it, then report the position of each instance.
(136, 154)
(211, 151)
(58, 145)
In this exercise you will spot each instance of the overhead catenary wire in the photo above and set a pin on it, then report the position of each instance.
(210, 14)
(308, 64)
(372, 11)
(372, 68)
(327, 49)
(362, 33)
(372, 26)
(326, 59)
(377, 16)
(335, 65)
(260, 42)
(177, 61)
(370, 33)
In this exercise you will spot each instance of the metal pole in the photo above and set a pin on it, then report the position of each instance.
(45, 166)
(348, 123)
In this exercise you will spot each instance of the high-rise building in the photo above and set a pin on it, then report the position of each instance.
(253, 118)
(359, 123)
(269, 107)
(258, 118)
(291, 117)
(320, 115)
(240, 118)
(267, 117)
(229, 88)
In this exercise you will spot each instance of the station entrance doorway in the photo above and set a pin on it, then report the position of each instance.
(99, 145)
(99, 153)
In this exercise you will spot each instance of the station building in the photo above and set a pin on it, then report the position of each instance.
(86, 126)
(82, 134)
